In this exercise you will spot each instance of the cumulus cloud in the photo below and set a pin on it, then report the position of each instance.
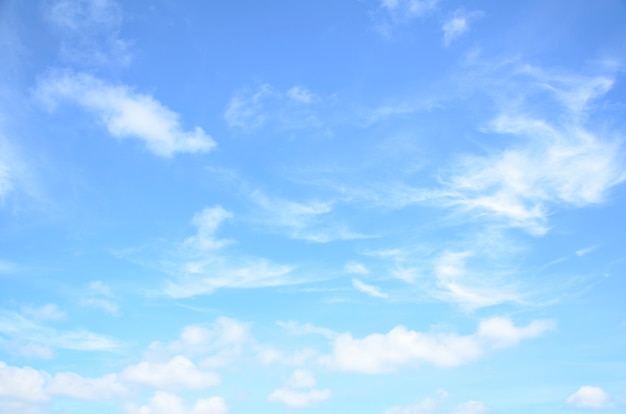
(292, 394)
(219, 343)
(589, 396)
(125, 113)
(437, 404)
(400, 347)
(177, 373)
(73, 385)
(166, 403)
(368, 289)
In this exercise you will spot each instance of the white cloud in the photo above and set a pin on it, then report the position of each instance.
(292, 395)
(297, 328)
(22, 384)
(98, 295)
(589, 396)
(357, 268)
(301, 379)
(368, 289)
(73, 385)
(437, 404)
(90, 31)
(223, 340)
(24, 330)
(178, 372)
(585, 251)
(470, 407)
(403, 10)
(125, 113)
(299, 399)
(49, 312)
(399, 348)
(458, 25)
(469, 289)
(166, 403)
(250, 109)
(208, 221)
(557, 162)
(309, 221)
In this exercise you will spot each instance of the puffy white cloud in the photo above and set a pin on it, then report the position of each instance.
(73, 385)
(125, 113)
(368, 289)
(178, 372)
(400, 347)
(589, 396)
(424, 406)
(22, 384)
(219, 343)
(166, 403)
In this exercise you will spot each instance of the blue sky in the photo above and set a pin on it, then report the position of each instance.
(394, 207)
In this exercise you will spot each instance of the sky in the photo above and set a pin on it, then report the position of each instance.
(356, 206)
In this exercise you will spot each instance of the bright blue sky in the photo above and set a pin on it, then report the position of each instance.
(394, 207)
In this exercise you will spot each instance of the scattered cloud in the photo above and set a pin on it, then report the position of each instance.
(292, 394)
(589, 396)
(49, 312)
(30, 333)
(302, 221)
(405, 10)
(368, 289)
(179, 372)
(437, 404)
(124, 112)
(297, 328)
(585, 251)
(400, 348)
(470, 407)
(89, 31)
(356, 268)
(556, 162)
(167, 403)
(457, 25)
(208, 221)
(250, 109)
(75, 386)
(98, 295)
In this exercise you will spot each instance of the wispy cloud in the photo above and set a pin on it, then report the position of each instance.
(89, 30)
(25, 331)
(207, 222)
(370, 290)
(404, 10)
(98, 295)
(124, 112)
(585, 251)
(298, 391)
(265, 105)
(401, 348)
(557, 161)
(437, 404)
(309, 221)
(458, 25)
